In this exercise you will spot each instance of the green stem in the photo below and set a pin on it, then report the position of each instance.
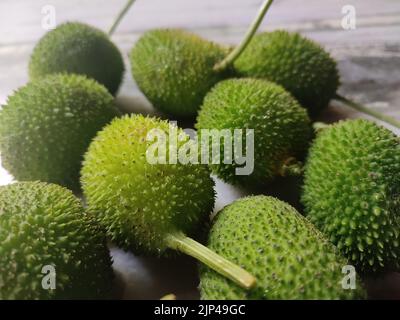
(292, 167)
(366, 110)
(120, 16)
(318, 126)
(235, 53)
(226, 268)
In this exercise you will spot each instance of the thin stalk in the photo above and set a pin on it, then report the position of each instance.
(366, 110)
(221, 265)
(120, 16)
(293, 170)
(170, 296)
(235, 53)
(292, 167)
(319, 126)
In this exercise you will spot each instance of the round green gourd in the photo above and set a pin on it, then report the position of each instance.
(150, 208)
(78, 48)
(300, 65)
(45, 225)
(174, 69)
(289, 257)
(352, 192)
(138, 202)
(282, 129)
(47, 125)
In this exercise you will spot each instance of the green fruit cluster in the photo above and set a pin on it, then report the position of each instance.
(174, 69)
(45, 225)
(63, 127)
(299, 64)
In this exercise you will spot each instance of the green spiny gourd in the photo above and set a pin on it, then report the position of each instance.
(148, 206)
(78, 48)
(289, 257)
(174, 69)
(300, 65)
(43, 226)
(352, 192)
(282, 129)
(47, 125)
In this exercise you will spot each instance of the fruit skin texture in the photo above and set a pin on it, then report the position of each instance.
(288, 256)
(282, 129)
(47, 125)
(299, 64)
(140, 203)
(174, 69)
(44, 224)
(352, 192)
(75, 47)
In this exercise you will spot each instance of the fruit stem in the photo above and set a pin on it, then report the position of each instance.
(219, 264)
(366, 110)
(235, 53)
(319, 126)
(292, 167)
(120, 16)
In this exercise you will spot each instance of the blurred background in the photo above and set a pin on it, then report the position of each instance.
(362, 35)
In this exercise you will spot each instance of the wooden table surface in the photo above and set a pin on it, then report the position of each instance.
(368, 59)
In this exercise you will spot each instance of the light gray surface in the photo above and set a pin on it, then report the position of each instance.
(368, 57)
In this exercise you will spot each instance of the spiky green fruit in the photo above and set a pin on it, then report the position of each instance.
(174, 69)
(78, 48)
(282, 129)
(44, 225)
(352, 192)
(47, 125)
(288, 256)
(299, 64)
(151, 205)
(140, 203)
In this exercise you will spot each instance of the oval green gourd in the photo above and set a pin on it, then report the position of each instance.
(47, 125)
(352, 192)
(78, 48)
(289, 257)
(45, 225)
